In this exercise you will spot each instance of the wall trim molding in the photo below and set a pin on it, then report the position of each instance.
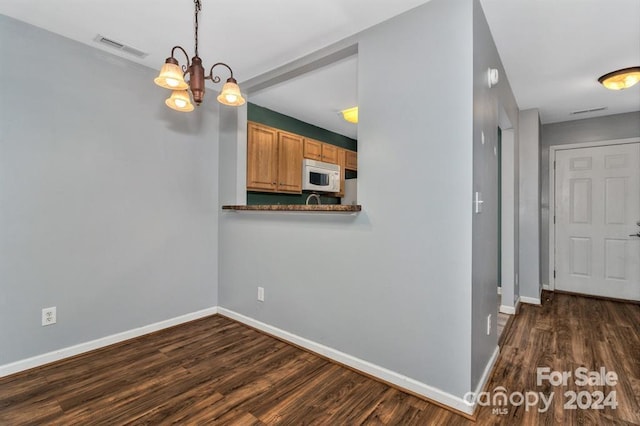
(510, 310)
(408, 384)
(530, 300)
(59, 354)
(486, 374)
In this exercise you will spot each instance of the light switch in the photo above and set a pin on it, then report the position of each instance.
(478, 202)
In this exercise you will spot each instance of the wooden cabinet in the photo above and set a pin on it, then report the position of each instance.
(351, 160)
(329, 153)
(313, 149)
(262, 158)
(274, 160)
(289, 163)
(320, 151)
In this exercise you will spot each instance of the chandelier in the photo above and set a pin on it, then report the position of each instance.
(172, 77)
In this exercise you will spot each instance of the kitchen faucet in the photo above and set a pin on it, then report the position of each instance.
(316, 196)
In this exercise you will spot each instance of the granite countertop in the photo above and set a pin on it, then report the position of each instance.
(297, 208)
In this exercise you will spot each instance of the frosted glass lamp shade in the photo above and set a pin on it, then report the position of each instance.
(170, 77)
(180, 101)
(230, 94)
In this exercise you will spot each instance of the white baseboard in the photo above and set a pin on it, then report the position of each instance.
(67, 352)
(486, 374)
(546, 287)
(530, 300)
(510, 310)
(374, 370)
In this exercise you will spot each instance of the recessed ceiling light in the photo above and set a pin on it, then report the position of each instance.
(621, 79)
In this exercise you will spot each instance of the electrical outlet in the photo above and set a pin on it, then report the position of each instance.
(489, 325)
(49, 316)
(261, 294)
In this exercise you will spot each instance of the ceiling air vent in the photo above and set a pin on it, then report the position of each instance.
(585, 111)
(119, 46)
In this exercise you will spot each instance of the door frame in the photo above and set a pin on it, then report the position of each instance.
(552, 193)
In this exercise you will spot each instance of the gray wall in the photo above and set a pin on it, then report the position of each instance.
(108, 199)
(618, 126)
(529, 256)
(487, 102)
(392, 285)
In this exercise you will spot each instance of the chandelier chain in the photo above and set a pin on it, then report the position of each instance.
(198, 8)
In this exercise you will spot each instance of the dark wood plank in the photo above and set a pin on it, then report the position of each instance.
(217, 371)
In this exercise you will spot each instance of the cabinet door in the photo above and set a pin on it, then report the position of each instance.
(351, 160)
(329, 153)
(289, 163)
(312, 149)
(262, 157)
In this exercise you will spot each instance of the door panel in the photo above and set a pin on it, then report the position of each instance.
(262, 148)
(597, 200)
(289, 163)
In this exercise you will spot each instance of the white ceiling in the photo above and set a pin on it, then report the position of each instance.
(319, 96)
(552, 50)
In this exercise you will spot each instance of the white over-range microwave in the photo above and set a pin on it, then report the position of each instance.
(320, 176)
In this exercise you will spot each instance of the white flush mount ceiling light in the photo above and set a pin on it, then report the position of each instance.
(172, 77)
(621, 79)
(350, 114)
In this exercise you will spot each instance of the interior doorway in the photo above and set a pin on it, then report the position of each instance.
(597, 220)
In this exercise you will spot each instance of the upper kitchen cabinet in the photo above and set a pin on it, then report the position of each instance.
(262, 156)
(312, 149)
(274, 160)
(351, 160)
(289, 163)
(316, 150)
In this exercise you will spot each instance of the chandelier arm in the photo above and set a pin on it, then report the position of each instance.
(216, 78)
(184, 67)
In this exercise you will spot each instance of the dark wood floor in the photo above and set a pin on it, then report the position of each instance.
(216, 371)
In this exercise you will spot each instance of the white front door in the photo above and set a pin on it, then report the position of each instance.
(597, 207)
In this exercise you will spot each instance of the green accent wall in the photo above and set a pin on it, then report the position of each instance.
(271, 118)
